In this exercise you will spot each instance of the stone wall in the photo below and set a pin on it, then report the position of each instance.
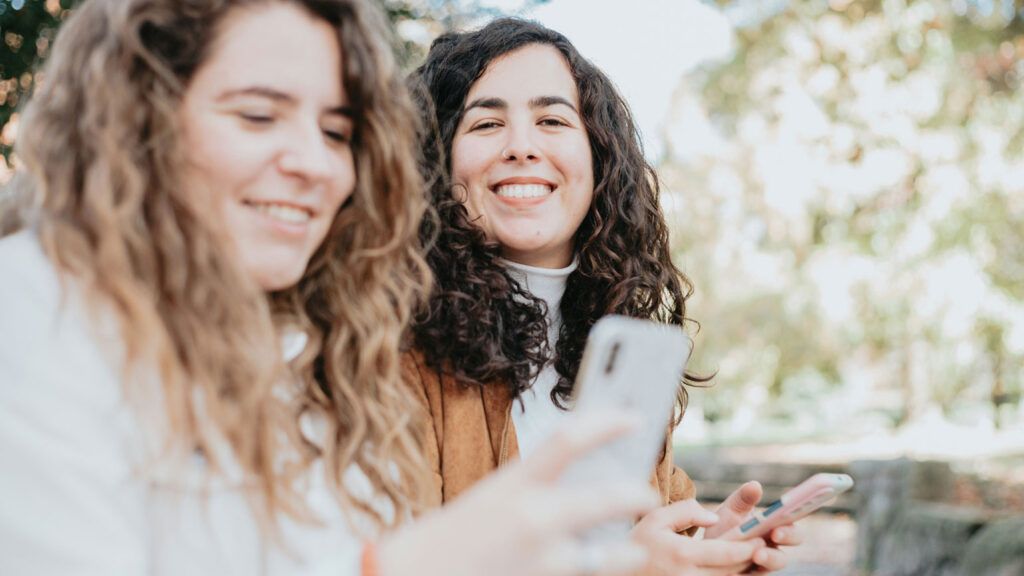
(906, 527)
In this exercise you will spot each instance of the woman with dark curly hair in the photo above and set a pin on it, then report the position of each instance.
(550, 219)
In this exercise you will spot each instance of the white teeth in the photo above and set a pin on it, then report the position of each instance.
(289, 214)
(523, 190)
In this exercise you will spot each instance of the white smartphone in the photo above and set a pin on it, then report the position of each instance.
(635, 365)
(797, 502)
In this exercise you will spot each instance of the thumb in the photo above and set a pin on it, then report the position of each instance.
(732, 511)
(681, 515)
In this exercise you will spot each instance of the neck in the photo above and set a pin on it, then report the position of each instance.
(554, 259)
(548, 284)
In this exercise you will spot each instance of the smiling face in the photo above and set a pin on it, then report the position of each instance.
(521, 157)
(267, 133)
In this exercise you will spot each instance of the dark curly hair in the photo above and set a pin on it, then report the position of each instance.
(480, 324)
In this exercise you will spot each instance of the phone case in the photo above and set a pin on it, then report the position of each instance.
(808, 496)
(635, 365)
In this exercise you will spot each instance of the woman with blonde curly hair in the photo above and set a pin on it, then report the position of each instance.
(202, 307)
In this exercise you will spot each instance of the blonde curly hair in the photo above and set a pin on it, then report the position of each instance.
(101, 146)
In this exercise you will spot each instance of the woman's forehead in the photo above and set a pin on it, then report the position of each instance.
(525, 74)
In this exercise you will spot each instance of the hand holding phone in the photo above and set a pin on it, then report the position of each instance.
(637, 366)
(796, 503)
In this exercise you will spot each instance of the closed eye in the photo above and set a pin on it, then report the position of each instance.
(337, 137)
(252, 118)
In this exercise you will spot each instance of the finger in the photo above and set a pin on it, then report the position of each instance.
(571, 558)
(561, 557)
(580, 435)
(716, 553)
(681, 515)
(732, 511)
(787, 535)
(580, 508)
(742, 500)
(770, 559)
(623, 558)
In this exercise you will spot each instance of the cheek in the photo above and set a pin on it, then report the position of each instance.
(579, 163)
(584, 162)
(344, 182)
(469, 161)
(220, 172)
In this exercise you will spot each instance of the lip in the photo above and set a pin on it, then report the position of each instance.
(522, 180)
(522, 202)
(250, 202)
(290, 230)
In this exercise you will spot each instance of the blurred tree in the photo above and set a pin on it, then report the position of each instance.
(866, 185)
(27, 28)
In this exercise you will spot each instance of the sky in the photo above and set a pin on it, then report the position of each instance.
(645, 47)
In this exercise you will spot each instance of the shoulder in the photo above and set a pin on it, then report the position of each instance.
(424, 382)
(439, 391)
(421, 374)
(30, 294)
(49, 343)
(417, 370)
(27, 270)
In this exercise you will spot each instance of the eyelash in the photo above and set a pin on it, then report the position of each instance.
(487, 124)
(551, 122)
(256, 118)
(337, 137)
(266, 119)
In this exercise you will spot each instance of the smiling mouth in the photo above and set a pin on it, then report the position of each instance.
(523, 190)
(286, 213)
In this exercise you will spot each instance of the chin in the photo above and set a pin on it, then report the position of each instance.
(274, 279)
(525, 245)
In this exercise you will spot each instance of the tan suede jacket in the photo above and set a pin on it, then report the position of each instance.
(470, 433)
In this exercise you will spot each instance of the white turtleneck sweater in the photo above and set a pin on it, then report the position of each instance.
(535, 415)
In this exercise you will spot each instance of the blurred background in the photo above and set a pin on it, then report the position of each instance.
(845, 185)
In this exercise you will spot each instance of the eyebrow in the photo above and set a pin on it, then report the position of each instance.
(276, 96)
(536, 102)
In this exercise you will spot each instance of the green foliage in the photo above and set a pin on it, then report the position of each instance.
(858, 233)
(27, 28)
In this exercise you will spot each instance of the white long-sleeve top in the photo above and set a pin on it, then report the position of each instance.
(535, 416)
(78, 491)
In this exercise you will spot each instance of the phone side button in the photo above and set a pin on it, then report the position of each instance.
(772, 508)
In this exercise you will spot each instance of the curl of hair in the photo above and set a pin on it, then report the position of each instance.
(480, 325)
(101, 148)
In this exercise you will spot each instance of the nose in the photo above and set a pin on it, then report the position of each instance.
(306, 155)
(520, 146)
